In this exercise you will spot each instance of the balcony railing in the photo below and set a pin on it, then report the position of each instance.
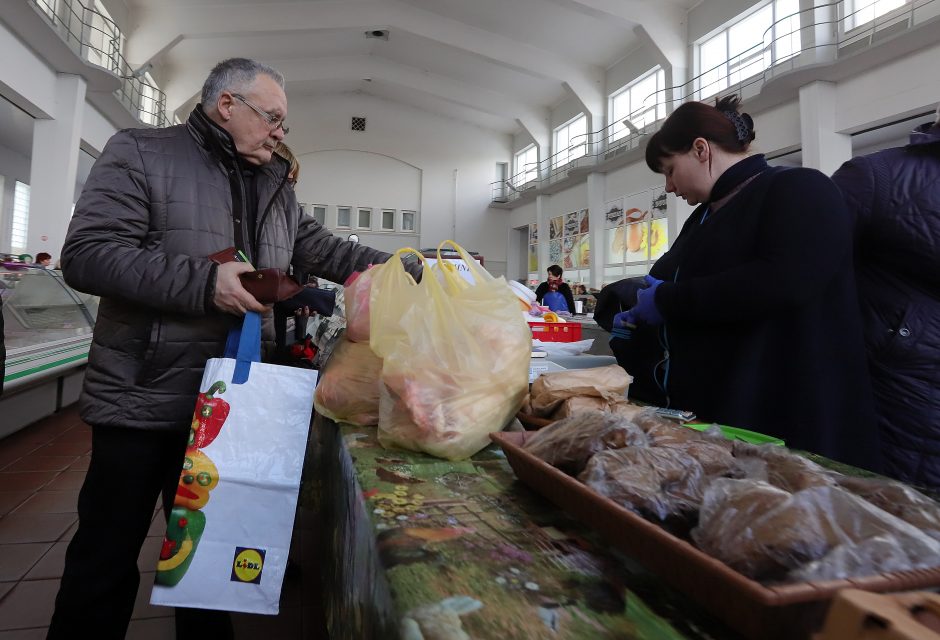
(750, 69)
(95, 38)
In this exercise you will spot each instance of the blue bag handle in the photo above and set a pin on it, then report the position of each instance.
(244, 346)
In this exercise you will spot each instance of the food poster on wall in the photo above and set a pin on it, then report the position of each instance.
(636, 242)
(567, 250)
(613, 213)
(658, 238)
(584, 250)
(534, 233)
(583, 221)
(554, 251)
(571, 224)
(555, 227)
(616, 244)
(533, 258)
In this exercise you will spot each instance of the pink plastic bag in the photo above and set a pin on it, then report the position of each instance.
(357, 289)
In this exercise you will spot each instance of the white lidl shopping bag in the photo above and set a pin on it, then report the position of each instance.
(229, 532)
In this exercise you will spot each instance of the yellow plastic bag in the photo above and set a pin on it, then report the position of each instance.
(455, 356)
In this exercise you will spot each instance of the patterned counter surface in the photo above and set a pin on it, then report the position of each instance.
(416, 547)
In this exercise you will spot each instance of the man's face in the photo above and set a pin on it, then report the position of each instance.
(254, 137)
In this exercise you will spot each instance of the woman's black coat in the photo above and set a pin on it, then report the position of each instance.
(762, 324)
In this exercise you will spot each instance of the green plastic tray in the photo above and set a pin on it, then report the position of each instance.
(734, 433)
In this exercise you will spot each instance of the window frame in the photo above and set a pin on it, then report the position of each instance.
(313, 214)
(569, 156)
(382, 220)
(850, 24)
(521, 161)
(359, 212)
(736, 69)
(659, 107)
(348, 224)
(20, 215)
(414, 220)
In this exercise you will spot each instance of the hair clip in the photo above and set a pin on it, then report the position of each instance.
(740, 127)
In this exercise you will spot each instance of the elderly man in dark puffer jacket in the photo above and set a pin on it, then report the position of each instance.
(156, 204)
(895, 197)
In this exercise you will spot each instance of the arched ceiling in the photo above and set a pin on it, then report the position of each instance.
(499, 64)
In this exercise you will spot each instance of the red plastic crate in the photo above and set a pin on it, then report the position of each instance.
(556, 331)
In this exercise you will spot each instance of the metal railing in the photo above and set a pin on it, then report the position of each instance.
(95, 38)
(752, 68)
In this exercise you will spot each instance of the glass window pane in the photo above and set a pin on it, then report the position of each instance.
(407, 220)
(365, 218)
(319, 214)
(713, 57)
(342, 216)
(388, 220)
(787, 41)
(20, 223)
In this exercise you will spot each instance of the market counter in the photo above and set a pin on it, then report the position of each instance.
(409, 540)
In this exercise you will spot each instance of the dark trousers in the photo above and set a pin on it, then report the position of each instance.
(129, 469)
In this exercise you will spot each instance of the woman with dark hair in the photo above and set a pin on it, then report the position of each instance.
(751, 318)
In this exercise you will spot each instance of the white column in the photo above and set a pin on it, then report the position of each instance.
(596, 188)
(53, 168)
(819, 28)
(542, 215)
(824, 148)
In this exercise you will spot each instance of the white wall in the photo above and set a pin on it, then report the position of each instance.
(707, 16)
(630, 68)
(436, 146)
(777, 128)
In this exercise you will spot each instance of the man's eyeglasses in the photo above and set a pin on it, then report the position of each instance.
(276, 122)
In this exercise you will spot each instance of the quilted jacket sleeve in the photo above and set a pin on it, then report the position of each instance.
(318, 251)
(106, 251)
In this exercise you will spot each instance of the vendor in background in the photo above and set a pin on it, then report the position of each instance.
(555, 294)
(44, 260)
(751, 318)
(894, 198)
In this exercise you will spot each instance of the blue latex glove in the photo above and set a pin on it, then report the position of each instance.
(645, 310)
(624, 324)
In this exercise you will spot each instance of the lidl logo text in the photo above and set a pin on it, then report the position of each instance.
(247, 565)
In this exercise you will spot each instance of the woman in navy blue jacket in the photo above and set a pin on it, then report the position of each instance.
(751, 318)
(894, 197)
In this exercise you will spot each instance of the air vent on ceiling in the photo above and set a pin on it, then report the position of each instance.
(358, 123)
(380, 34)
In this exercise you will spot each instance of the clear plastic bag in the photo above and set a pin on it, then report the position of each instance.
(348, 390)
(661, 483)
(880, 554)
(569, 443)
(455, 357)
(897, 499)
(765, 532)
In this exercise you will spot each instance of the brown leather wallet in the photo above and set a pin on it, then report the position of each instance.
(270, 285)
(266, 285)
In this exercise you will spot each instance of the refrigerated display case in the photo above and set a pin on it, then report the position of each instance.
(47, 333)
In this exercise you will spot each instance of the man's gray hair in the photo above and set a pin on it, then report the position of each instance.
(235, 74)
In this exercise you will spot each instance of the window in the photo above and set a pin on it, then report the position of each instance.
(859, 12)
(743, 50)
(20, 216)
(407, 220)
(526, 166)
(641, 102)
(319, 214)
(343, 217)
(570, 141)
(105, 41)
(149, 106)
(388, 219)
(365, 219)
(48, 7)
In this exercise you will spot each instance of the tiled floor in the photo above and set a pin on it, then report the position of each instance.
(41, 470)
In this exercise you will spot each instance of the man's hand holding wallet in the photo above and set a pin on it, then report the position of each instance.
(240, 288)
